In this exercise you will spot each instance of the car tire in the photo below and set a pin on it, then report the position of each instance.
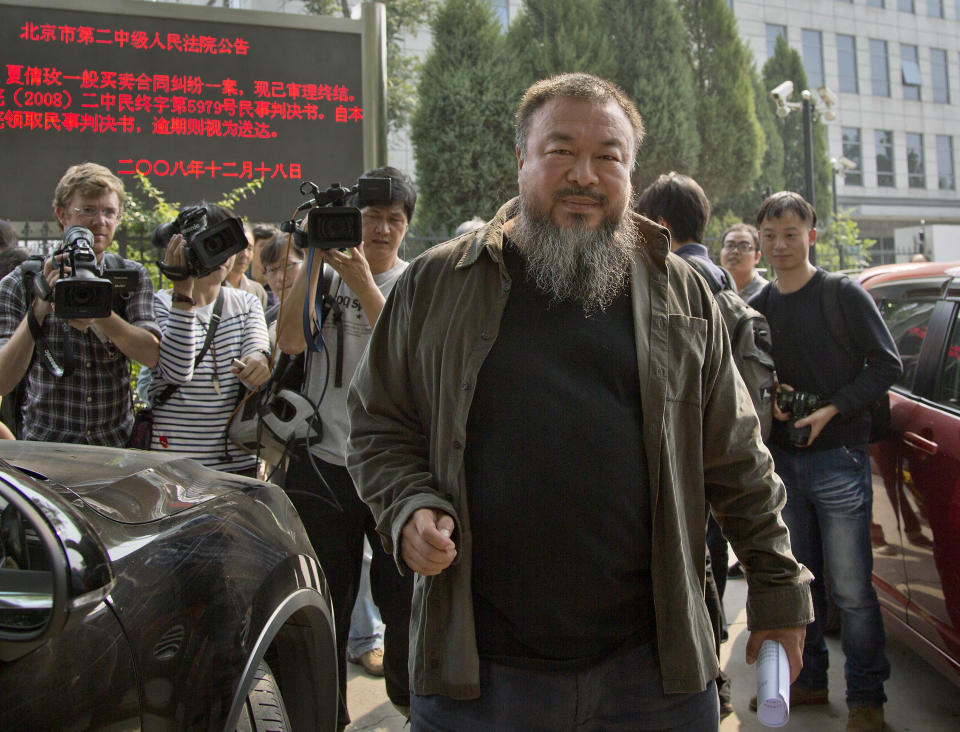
(264, 710)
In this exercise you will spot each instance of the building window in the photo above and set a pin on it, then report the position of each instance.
(875, 3)
(813, 57)
(885, 174)
(935, 8)
(905, 6)
(910, 72)
(501, 12)
(945, 175)
(847, 63)
(879, 72)
(852, 150)
(773, 32)
(915, 168)
(941, 81)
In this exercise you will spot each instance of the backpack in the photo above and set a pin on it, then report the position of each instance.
(749, 340)
(837, 327)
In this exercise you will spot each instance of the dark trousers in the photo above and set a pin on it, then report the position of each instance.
(624, 692)
(337, 537)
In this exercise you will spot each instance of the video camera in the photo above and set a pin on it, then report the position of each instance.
(89, 290)
(206, 246)
(800, 404)
(331, 224)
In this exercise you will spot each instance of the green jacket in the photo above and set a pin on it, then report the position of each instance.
(409, 403)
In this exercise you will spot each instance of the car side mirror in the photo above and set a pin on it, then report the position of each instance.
(40, 590)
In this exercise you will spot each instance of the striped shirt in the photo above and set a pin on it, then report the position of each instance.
(91, 406)
(194, 419)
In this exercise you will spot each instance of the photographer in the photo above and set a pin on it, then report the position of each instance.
(364, 277)
(77, 370)
(214, 339)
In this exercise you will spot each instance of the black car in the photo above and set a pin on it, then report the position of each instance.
(145, 591)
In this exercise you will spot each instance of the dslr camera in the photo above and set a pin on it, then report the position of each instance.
(89, 290)
(800, 404)
(331, 224)
(206, 246)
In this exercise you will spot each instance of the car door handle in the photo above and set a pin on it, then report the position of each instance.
(922, 444)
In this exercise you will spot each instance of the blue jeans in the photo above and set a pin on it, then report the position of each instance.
(829, 503)
(366, 627)
(625, 692)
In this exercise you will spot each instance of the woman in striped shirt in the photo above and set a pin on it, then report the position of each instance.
(193, 418)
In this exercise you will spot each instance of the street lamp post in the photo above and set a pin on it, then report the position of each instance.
(839, 166)
(823, 105)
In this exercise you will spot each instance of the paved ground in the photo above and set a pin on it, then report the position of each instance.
(920, 700)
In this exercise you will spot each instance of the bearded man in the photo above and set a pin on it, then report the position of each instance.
(545, 405)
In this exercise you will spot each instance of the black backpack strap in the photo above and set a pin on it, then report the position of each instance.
(833, 310)
(169, 389)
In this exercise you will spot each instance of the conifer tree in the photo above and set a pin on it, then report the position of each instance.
(648, 43)
(731, 140)
(462, 130)
(786, 65)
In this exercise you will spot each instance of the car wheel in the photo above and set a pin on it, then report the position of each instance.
(264, 710)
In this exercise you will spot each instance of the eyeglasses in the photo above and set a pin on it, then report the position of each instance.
(92, 213)
(743, 247)
(273, 271)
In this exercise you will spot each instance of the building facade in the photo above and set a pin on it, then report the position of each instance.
(895, 68)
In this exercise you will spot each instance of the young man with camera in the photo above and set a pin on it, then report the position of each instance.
(819, 444)
(77, 369)
(317, 480)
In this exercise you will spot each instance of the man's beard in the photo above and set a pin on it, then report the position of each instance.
(576, 263)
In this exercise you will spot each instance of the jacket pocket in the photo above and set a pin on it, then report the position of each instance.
(686, 343)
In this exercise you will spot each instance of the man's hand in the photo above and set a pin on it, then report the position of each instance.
(817, 421)
(352, 266)
(774, 409)
(426, 545)
(176, 257)
(790, 638)
(257, 370)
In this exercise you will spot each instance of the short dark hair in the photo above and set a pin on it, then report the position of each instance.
(680, 201)
(8, 235)
(774, 206)
(264, 231)
(11, 258)
(587, 87)
(745, 228)
(275, 249)
(401, 190)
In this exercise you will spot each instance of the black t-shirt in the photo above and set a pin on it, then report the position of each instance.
(808, 357)
(557, 484)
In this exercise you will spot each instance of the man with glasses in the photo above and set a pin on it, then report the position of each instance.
(739, 256)
(317, 481)
(77, 371)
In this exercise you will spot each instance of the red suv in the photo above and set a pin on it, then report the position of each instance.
(916, 497)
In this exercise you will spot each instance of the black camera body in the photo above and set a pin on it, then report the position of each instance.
(800, 404)
(333, 225)
(206, 246)
(85, 293)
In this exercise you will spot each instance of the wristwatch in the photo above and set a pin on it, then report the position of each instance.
(177, 297)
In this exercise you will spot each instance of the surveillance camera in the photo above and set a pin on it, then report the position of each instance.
(783, 110)
(781, 93)
(846, 163)
(828, 97)
(828, 114)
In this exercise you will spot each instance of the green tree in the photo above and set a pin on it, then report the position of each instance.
(731, 139)
(744, 205)
(648, 42)
(403, 17)
(786, 65)
(462, 129)
(842, 233)
(557, 36)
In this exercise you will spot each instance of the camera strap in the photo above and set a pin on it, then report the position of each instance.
(169, 389)
(46, 355)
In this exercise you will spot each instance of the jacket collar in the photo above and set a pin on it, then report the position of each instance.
(653, 240)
